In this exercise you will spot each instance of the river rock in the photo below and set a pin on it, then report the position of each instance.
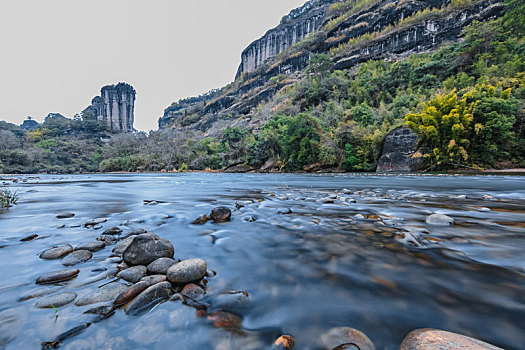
(95, 222)
(187, 271)
(112, 231)
(192, 291)
(65, 215)
(56, 252)
(221, 214)
(92, 247)
(154, 279)
(107, 239)
(57, 276)
(161, 266)
(121, 247)
(146, 248)
(284, 342)
(103, 310)
(134, 232)
(133, 274)
(28, 238)
(430, 339)
(158, 291)
(107, 293)
(56, 300)
(284, 211)
(227, 320)
(439, 220)
(130, 293)
(201, 220)
(77, 257)
(342, 336)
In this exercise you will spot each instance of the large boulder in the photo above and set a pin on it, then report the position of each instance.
(400, 152)
(146, 248)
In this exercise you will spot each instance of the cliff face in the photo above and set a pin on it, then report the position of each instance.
(115, 106)
(293, 28)
(371, 29)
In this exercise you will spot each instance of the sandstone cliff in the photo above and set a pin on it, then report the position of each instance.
(115, 106)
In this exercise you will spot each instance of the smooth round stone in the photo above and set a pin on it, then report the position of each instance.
(192, 291)
(28, 238)
(284, 211)
(92, 247)
(133, 274)
(107, 239)
(134, 232)
(112, 231)
(56, 300)
(227, 320)
(100, 310)
(107, 293)
(161, 266)
(57, 276)
(77, 257)
(342, 336)
(65, 215)
(146, 248)
(439, 220)
(121, 247)
(430, 339)
(56, 252)
(201, 220)
(158, 291)
(95, 222)
(221, 214)
(284, 342)
(187, 271)
(130, 293)
(153, 279)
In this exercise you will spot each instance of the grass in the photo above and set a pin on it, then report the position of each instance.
(8, 198)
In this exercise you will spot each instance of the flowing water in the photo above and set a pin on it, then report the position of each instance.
(365, 259)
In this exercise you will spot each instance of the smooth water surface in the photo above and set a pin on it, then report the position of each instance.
(368, 260)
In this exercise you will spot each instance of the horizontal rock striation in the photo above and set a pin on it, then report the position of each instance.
(379, 29)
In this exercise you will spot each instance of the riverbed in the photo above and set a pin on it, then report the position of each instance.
(302, 254)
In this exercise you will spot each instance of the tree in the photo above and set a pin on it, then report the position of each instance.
(514, 17)
(443, 128)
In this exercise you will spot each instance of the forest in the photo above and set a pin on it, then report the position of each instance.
(465, 101)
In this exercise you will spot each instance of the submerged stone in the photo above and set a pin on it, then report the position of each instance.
(56, 300)
(430, 339)
(341, 336)
(77, 257)
(439, 220)
(56, 252)
(133, 274)
(147, 297)
(57, 276)
(221, 214)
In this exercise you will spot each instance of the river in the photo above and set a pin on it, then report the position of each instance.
(365, 259)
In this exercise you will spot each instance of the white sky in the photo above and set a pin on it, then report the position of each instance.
(55, 55)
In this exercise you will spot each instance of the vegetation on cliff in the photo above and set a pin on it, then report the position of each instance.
(465, 100)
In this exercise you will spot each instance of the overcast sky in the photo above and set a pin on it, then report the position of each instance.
(55, 55)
